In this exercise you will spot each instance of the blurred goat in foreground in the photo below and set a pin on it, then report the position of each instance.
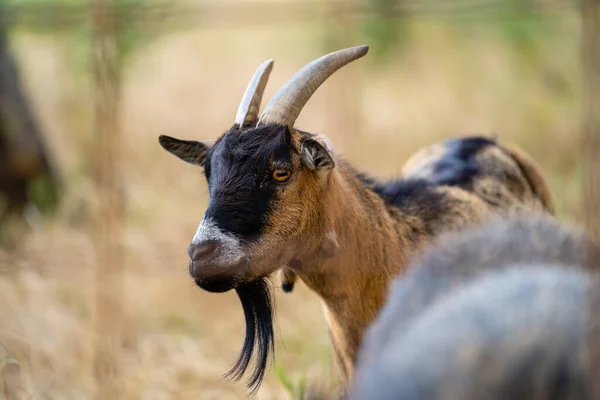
(508, 310)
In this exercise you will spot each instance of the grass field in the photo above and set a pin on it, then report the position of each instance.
(441, 81)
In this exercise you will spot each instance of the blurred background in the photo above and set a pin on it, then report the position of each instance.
(95, 218)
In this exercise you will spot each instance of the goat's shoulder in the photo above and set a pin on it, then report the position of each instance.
(427, 206)
(435, 207)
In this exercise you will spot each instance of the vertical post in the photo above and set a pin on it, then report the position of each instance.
(343, 96)
(110, 212)
(590, 59)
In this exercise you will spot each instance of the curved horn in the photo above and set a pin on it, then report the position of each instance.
(247, 113)
(286, 104)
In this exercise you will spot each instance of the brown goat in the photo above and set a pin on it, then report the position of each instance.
(281, 197)
(509, 310)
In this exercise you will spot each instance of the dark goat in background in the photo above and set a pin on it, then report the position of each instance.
(280, 198)
(506, 311)
(24, 158)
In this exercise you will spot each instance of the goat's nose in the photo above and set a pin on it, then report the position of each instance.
(202, 251)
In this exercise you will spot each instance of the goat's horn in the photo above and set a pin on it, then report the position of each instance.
(247, 113)
(286, 104)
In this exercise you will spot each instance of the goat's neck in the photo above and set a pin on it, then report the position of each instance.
(360, 249)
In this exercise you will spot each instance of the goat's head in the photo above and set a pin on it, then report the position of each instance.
(264, 178)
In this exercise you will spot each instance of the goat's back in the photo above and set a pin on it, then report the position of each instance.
(502, 175)
(532, 173)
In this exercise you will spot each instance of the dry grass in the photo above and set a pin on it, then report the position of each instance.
(179, 340)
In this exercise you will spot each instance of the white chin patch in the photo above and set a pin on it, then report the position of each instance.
(230, 248)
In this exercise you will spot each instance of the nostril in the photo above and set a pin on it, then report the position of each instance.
(203, 250)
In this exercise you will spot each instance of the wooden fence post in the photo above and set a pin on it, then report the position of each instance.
(590, 59)
(343, 112)
(111, 208)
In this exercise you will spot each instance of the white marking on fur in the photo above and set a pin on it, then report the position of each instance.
(324, 140)
(230, 248)
(329, 245)
(309, 157)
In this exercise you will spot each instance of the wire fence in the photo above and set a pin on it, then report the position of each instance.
(51, 16)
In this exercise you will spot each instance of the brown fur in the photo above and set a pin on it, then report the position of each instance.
(531, 171)
(376, 239)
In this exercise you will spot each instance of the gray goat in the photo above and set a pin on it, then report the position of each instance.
(503, 311)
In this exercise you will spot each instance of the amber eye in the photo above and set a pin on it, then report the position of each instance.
(281, 175)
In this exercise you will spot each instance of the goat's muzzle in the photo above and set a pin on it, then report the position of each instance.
(212, 270)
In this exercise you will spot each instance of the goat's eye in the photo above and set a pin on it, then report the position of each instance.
(281, 175)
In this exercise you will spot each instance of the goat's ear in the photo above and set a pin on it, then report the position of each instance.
(317, 154)
(188, 150)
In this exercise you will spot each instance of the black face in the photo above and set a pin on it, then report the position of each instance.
(239, 170)
(247, 173)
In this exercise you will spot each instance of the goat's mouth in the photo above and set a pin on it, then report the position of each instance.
(255, 297)
(219, 278)
(217, 284)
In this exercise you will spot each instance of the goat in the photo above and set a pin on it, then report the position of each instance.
(281, 197)
(508, 310)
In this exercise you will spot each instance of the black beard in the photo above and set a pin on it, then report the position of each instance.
(257, 303)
